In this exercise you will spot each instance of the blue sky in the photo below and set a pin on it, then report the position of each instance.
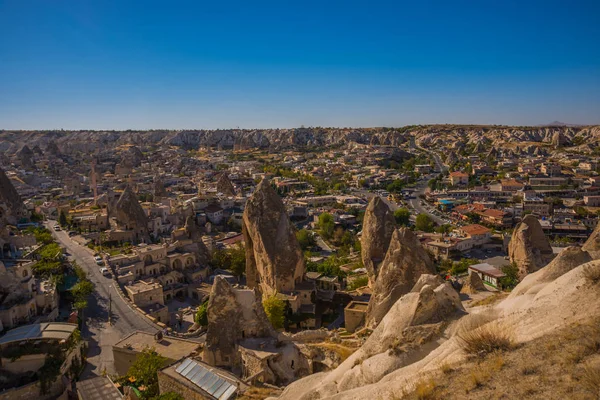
(139, 65)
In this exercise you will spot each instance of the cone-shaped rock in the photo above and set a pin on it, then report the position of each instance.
(473, 284)
(529, 248)
(225, 186)
(406, 260)
(274, 260)
(11, 206)
(592, 245)
(130, 215)
(378, 227)
(233, 315)
(159, 189)
(53, 148)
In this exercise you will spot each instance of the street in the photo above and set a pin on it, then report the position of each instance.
(100, 335)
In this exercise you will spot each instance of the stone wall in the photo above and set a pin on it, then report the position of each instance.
(167, 383)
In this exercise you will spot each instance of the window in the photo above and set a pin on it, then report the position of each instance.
(150, 297)
(25, 273)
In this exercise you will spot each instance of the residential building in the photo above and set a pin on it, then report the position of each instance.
(459, 178)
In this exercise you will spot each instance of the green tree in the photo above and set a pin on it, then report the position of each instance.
(446, 228)
(201, 317)
(305, 238)
(81, 290)
(511, 276)
(402, 216)
(145, 371)
(326, 225)
(395, 187)
(62, 219)
(275, 310)
(424, 223)
(237, 256)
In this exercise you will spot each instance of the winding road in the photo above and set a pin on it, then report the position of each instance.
(101, 335)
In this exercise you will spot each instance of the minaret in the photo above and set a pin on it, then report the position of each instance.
(94, 182)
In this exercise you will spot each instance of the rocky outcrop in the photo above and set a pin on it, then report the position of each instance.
(52, 148)
(274, 260)
(130, 215)
(405, 261)
(25, 157)
(134, 156)
(592, 245)
(233, 315)
(565, 261)
(11, 206)
(529, 248)
(378, 227)
(473, 284)
(225, 186)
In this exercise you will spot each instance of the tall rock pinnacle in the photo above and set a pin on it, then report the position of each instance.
(274, 260)
(378, 227)
(529, 247)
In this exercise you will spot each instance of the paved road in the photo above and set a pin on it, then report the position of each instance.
(416, 203)
(100, 335)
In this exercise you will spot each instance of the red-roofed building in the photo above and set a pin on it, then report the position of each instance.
(459, 178)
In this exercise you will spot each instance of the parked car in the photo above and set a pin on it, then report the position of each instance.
(100, 263)
(56, 228)
(104, 271)
(97, 258)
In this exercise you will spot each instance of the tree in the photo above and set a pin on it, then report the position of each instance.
(511, 276)
(305, 238)
(275, 310)
(237, 256)
(402, 216)
(327, 225)
(446, 228)
(145, 371)
(62, 219)
(201, 317)
(81, 290)
(424, 223)
(395, 187)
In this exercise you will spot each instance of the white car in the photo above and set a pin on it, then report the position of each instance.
(104, 271)
(98, 258)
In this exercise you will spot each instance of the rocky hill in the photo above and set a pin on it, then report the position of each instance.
(67, 141)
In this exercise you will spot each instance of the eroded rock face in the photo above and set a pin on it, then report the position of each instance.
(233, 315)
(473, 284)
(130, 215)
(592, 245)
(53, 148)
(406, 260)
(225, 186)
(134, 156)
(378, 227)
(529, 248)
(11, 206)
(25, 156)
(274, 260)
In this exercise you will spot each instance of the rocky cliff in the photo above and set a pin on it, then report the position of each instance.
(274, 260)
(405, 261)
(529, 248)
(11, 206)
(378, 227)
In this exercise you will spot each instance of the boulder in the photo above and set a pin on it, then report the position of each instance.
(529, 248)
(473, 284)
(378, 227)
(274, 260)
(406, 260)
(592, 245)
(225, 186)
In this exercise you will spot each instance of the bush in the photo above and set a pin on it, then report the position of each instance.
(275, 310)
(486, 339)
(591, 273)
(402, 216)
(201, 317)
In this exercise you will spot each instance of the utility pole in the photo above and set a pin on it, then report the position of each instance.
(109, 304)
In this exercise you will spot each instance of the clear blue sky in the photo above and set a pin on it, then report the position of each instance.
(121, 64)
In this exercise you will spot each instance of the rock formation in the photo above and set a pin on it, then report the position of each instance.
(25, 157)
(225, 186)
(473, 284)
(11, 206)
(378, 227)
(53, 148)
(130, 215)
(592, 245)
(529, 247)
(274, 260)
(134, 156)
(196, 244)
(233, 315)
(405, 261)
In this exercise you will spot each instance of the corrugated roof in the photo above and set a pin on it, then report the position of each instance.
(206, 379)
(47, 330)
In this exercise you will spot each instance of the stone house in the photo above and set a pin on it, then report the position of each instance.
(354, 315)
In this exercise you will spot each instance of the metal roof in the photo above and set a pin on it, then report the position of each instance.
(46, 330)
(206, 379)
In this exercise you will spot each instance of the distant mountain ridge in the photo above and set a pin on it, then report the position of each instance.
(559, 123)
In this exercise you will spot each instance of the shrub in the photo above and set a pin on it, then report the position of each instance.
(486, 339)
(425, 389)
(590, 380)
(591, 272)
